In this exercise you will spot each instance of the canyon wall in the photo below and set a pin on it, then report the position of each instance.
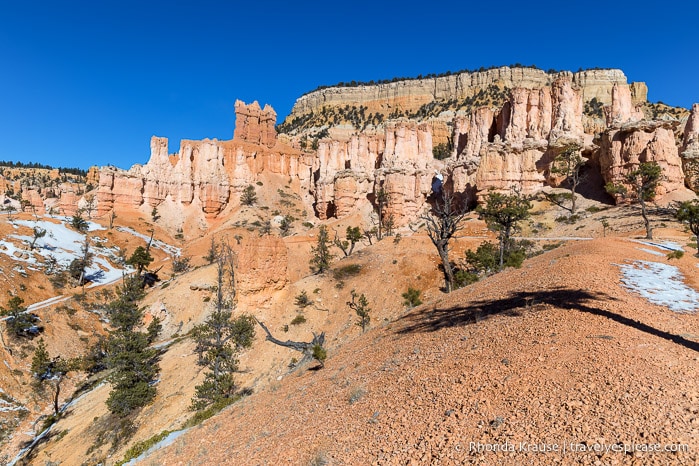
(411, 94)
(502, 148)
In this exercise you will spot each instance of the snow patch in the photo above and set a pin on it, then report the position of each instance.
(660, 284)
(172, 250)
(166, 442)
(652, 251)
(664, 245)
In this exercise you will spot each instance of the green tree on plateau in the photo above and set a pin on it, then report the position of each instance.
(643, 181)
(502, 213)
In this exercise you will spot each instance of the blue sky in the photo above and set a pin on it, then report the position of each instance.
(89, 82)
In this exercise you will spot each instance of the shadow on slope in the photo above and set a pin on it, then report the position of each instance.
(518, 303)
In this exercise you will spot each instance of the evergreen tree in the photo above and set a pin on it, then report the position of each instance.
(320, 261)
(213, 251)
(643, 181)
(19, 322)
(248, 197)
(688, 212)
(50, 371)
(133, 363)
(568, 164)
(79, 265)
(352, 235)
(38, 233)
(78, 222)
(220, 338)
(360, 305)
(502, 213)
(140, 259)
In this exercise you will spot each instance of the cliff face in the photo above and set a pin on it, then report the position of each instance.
(411, 94)
(492, 147)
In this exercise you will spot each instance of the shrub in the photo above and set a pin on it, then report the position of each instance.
(464, 278)
(141, 447)
(441, 151)
(298, 320)
(346, 271)
(320, 354)
(412, 297)
(180, 264)
(248, 197)
(570, 220)
(356, 395)
(302, 300)
(675, 255)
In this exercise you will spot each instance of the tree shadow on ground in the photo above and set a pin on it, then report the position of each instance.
(524, 301)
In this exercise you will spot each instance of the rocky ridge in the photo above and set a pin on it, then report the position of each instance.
(504, 142)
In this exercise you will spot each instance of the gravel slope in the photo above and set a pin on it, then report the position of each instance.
(552, 354)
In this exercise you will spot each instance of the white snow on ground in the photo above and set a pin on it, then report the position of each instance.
(64, 245)
(652, 251)
(166, 442)
(664, 245)
(660, 284)
(172, 250)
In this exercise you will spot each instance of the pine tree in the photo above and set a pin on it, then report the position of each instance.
(213, 251)
(688, 212)
(129, 355)
(568, 164)
(140, 259)
(19, 322)
(50, 371)
(320, 261)
(38, 233)
(502, 213)
(248, 197)
(643, 182)
(220, 338)
(360, 305)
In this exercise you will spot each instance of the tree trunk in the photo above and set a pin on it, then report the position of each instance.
(301, 346)
(448, 271)
(644, 214)
(55, 396)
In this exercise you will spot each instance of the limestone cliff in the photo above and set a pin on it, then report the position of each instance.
(410, 95)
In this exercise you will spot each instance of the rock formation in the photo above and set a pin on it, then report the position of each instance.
(411, 94)
(204, 176)
(255, 125)
(492, 147)
(623, 148)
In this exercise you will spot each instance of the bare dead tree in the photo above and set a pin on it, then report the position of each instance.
(442, 223)
(308, 349)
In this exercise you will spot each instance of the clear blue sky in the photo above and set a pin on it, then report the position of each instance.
(90, 82)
